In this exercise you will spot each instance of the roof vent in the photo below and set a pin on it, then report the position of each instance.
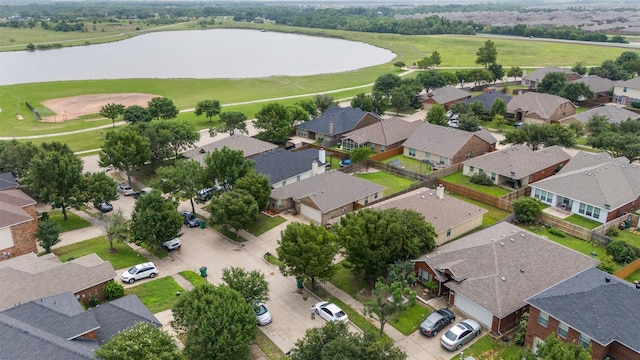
(607, 206)
(521, 235)
(501, 244)
(607, 279)
(522, 271)
(503, 278)
(511, 239)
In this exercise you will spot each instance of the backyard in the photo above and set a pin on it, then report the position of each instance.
(493, 215)
(407, 163)
(459, 179)
(393, 183)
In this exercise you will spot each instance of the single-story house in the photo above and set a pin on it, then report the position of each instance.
(249, 146)
(445, 96)
(627, 92)
(601, 87)
(331, 125)
(443, 146)
(594, 186)
(535, 77)
(488, 98)
(613, 113)
(489, 274)
(18, 222)
(284, 167)
(381, 136)
(539, 108)
(58, 327)
(28, 277)
(592, 308)
(325, 196)
(518, 165)
(449, 216)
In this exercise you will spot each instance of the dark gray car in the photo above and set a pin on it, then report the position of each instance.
(190, 219)
(436, 321)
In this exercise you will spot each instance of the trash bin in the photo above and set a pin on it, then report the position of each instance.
(299, 283)
(203, 271)
(627, 224)
(203, 224)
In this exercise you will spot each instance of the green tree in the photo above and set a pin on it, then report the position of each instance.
(402, 97)
(497, 71)
(209, 108)
(437, 115)
(552, 83)
(579, 68)
(463, 76)
(576, 91)
(514, 72)
(136, 114)
(276, 122)
(499, 107)
(234, 209)
(182, 180)
(55, 177)
(112, 111)
(622, 252)
(621, 139)
(257, 185)
(307, 251)
(361, 154)
(480, 76)
(309, 106)
(101, 188)
(48, 234)
(611, 70)
(324, 101)
(450, 78)
(252, 285)
(436, 59)
(555, 349)
(527, 209)
(431, 80)
(577, 128)
(162, 108)
(226, 166)
(116, 228)
(374, 239)
(155, 220)
(128, 344)
(374, 102)
(536, 135)
(125, 149)
(386, 84)
(15, 157)
(468, 122)
(232, 122)
(487, 54)
(182, 134)
(216, 323)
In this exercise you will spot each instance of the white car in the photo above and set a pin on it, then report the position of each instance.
(172, 244)
(262, 314)
(125, 190)
(460, 334)
(330, 312)
(140, 271)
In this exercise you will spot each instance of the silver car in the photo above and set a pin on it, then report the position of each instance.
(172, 244)
(262, 314)
(460, 334)
(330, 312)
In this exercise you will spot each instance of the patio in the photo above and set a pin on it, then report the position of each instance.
(557, 212)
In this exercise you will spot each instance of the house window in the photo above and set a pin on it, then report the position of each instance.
(480, 171)
(624, 89)
(471, 168)
(543, 319)
(366, 200)
(427, 155)
(279, 203)
(584, 340)
(469, 154)
(563, 330)
(375, 196)
(412, 152)
(381, 148)
(493, 176)
(441, 159)
(448, 232)
(373, 147)
(298, 178)
(527, 83)
(589, 210)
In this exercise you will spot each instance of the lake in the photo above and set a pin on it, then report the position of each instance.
(199, 54)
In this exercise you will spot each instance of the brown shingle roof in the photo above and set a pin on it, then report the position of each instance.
(596, 83)
(12, 202)
(442, 140)
(539, 74)
(447, 94)
(518, 161)
(385, 132)
(248, 145)
(536, 103)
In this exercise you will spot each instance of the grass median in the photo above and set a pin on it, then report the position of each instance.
(157, 294)
(123, 256)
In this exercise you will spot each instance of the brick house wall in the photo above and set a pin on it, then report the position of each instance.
(91, 335)
(546, 172)
(562, 111)
(23, 235)
(475, 145)
(85, 294)
(624, 209)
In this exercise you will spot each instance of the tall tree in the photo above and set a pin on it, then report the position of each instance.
(497, 71)
(162, 108)
(469, 122)
(480, 76)
(386, 83)
(537, 135)
(112, 111)
(209, 108)
(232, 122)
(183, 134)
(374, 102)
(621, 139)
(155, 220)
(579, 68)
(402, 97)
(101, 188)
(324, 101)
(55, 176)
(307, 251)
(216, 323)
(127, 345)
(116, 228)
(48, 234)
(309, 106)
(234, 209)
(252, 285)
(552, 83)
(487, 54)
(436, 59)
(361, 154)
(431, 80)
(499, 107)
(437, 115)
(450, 78)
(15, 157)
(226, 166)
(257, 185)
(276, 122)
(183, 180)
(136, 114)
(125, 149)
(576, 92)
(514, 72)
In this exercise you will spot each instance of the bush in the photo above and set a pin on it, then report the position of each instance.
(432, 286)
(481, 179)
(622, 252)
(526, 209)
(556, 231)
(94, 300)
(113, 290)
(607, 264)
(522, 329)
(635, 104)
(613, 232)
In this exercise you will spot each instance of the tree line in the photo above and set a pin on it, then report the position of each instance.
(562, 32)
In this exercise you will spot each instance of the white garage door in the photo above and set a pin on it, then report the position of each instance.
(310, 213)
(474, 310)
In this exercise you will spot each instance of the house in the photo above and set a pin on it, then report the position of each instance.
(449, 216)
(518, 165)
(488, 98)
(593, 186)
(284, 167)
(248, 145)
(444, 146)
(539, 108)
(28, 277)
(58, 327)
(325, 196)
(627, 92)
(613, 113)
(329, 127)
(532, 80)
(445, 96)
(591, 308)
(601, 87)
(18, 221)
(8, 181)
(489, 274)
(381, 136)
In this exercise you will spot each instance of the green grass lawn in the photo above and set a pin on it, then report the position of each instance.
(273, 259)
(628, 237)
(410, 164)
(488, 348)
(356, 286)
(393, 183)
(459, 179)
(493, 214)
(267, 346)
(228, 233)
(264, 223)
(407, 321)
(569, 241)
(582, 221)
(157, 294)
(124, 256)
(633, 277)
(193, 278)
(73, 221)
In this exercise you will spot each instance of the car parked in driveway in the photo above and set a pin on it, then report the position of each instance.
(104, 207)
(330, 312)
(137, 194)
(460, 334)
(190, 219)
(262, 314)
(125, 190)
(140, 271)
(172, 244)
(437, 321)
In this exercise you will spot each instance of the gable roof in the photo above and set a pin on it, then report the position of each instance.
(583, 159)
(501, 266)
(329, 190)
(28, 277)
(608, 184)
(536, 103)
(121, 314)
(7, 181)
(249, 146)
(519, 161)
(631, 83)
(447, 94)
(12, 203)
(596, 83)
(343, 119)
(385, 132)
(442, 213)
(442, 140)
(597, 304)
(613, 114)
(487, 99)
(280, 164)
(539, 74)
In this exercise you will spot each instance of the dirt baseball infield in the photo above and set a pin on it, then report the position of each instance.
(73, 107)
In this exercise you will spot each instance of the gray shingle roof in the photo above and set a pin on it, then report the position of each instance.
(121, 314)
(535, 103)
(518, 161)
(596, 83)
(442, 140)
(447, 94)
(631, 83)
(386, 132)
(12, 202)
(583, 159)
(328, 191)
(527, 262)
(613, 113)
(7, 181)
(250, 146)
(539, 74)
(615, 183)
(343, 120)
(280, 164)
(487, 99)
(604, 311)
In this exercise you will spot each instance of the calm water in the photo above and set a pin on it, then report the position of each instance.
(200, 54)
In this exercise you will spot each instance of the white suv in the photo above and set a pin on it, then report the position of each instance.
(140, 271)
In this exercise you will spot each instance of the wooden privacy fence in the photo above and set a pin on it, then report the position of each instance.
(565, 226)
(629, 269)
(477, 195)
(602, 229)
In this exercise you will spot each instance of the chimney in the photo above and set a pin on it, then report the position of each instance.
(322, 156)
(314, 168)
(330, 127)
(440, 191)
